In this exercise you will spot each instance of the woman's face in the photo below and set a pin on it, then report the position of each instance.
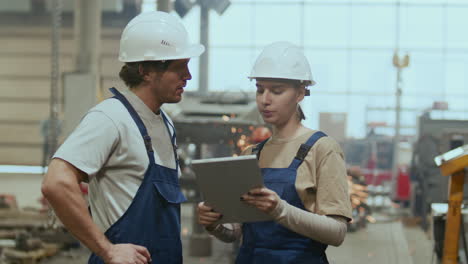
(277, 101)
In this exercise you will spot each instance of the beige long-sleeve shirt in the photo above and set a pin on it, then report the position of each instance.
(321, 184)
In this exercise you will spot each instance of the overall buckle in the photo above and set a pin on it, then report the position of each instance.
(303, 151)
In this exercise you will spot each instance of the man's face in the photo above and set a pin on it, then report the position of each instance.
(168, 86)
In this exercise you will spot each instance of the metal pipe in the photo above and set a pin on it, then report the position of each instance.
(204, 39)
(52, 131)
(396, 139)
(400, 64)
(200, 242)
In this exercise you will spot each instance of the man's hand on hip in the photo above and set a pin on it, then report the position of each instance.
(127, 254)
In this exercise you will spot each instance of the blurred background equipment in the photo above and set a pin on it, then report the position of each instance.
(359, 193)
(334, 124)
(374, 156)
(453, 164)
(436, 136)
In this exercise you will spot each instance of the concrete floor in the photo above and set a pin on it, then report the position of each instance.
(385, 242)
(382, 243)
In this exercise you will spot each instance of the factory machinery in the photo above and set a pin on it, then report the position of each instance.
(429, 189)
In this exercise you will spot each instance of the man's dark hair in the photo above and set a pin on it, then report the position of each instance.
(131, 75)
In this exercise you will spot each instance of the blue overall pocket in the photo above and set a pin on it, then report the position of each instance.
(170, 191)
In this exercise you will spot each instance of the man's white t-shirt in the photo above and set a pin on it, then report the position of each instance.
(108, 146)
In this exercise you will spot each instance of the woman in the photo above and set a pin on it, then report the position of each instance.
(306, 189)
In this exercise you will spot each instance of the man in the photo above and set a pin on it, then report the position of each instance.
(125, 147)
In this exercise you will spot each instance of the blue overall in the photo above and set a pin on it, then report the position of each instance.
(271, 243)
(153, 218)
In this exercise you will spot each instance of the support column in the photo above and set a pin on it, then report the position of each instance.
(87, 35)
(84, 82)
(200, 243)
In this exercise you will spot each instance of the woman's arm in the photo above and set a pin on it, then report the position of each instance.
(330, 230)
(226, 232)
(207, 217)
(325, 229)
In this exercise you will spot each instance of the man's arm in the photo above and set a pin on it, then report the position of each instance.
(61, 188)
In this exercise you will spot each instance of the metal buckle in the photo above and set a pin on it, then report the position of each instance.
(302, 152)
(148, 145)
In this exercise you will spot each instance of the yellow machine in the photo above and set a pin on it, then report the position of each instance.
(453, 163)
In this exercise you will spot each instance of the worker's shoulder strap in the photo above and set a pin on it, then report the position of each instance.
(258, 148)
(305, 148)
(136, 118)
(301, 152)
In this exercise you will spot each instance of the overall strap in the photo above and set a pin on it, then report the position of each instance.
(138, 122)
(258, 148)
(173, 136)
(304, 149)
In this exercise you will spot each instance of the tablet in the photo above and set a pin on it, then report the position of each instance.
(222, 181)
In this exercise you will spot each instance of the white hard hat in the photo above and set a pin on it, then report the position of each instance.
(155, 36)
(282, 60)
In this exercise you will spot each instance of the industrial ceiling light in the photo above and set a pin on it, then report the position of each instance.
(220, 5)
(182, 7)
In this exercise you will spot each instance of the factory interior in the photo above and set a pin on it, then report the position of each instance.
(391, 89)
